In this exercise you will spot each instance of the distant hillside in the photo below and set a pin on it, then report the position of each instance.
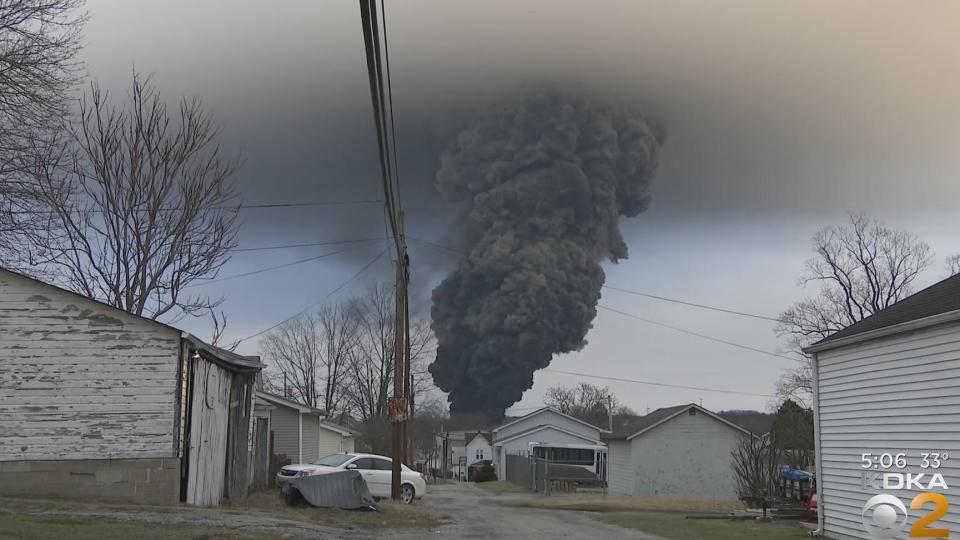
(755, 421)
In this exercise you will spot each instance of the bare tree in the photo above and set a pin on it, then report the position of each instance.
(585, 401)
(293, 351)
(756, 464)
(371, 362)
(953, 265)
(39, 42)
(310, 354)
(142, 204)
(861, 267)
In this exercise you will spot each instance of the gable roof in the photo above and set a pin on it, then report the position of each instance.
(664, 415)
(227, 359)
(289, 403)
(337, 428)
(481, 435)
(936, 304)
(542, 410)
(541, 428)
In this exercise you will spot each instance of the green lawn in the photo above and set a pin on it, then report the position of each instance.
(675, 526)
(498, 487)
(45, 527)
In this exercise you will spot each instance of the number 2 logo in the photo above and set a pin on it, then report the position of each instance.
(921, 529)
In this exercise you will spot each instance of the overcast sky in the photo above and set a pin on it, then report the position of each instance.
(780, 118)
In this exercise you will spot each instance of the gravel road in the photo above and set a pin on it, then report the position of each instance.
(474, 513)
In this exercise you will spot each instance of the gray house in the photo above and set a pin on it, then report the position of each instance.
(95, 401)
(887, 385)
(300, 432)
(682, 452)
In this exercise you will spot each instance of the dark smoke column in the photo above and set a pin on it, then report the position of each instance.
(543, 184)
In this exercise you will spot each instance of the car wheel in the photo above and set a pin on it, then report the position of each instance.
(407, 494)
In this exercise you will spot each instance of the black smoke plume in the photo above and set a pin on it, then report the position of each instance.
(543, 184)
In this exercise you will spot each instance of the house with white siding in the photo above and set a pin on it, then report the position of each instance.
(95, 401)
(542, 429)
(301, 433)
(888, 385)
(681, 452)
(479, 448)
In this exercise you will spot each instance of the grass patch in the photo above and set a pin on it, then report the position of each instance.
(393, 516)
(675, 526)
(44, 527)
(498, 487)
(603, 503)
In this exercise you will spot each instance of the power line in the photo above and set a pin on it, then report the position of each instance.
(337, 289)
(692, 333)
(638, 293)
(653, 383)
(308, 244)
(692, 304)
(229, 207)
(268, 269)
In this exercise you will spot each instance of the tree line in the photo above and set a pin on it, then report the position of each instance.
(340, 358)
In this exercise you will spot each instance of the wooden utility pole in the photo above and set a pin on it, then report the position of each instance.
(380, 96)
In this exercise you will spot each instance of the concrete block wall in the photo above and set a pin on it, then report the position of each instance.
(146, 481)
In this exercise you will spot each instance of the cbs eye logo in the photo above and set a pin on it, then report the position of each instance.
(884, 516)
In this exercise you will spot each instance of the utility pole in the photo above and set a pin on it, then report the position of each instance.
(610, 413)
(382, 100)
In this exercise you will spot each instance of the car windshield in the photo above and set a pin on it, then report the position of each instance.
(333, 460)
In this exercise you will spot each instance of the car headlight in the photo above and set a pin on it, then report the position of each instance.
(304, 473)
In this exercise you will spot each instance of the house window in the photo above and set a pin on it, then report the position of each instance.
(480, 455)
(692, 412)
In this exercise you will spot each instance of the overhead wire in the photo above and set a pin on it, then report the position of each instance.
(644, 319)
(269, 268)
(654, 383)
(332, 292)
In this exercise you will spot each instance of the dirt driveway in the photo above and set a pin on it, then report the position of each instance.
(474, 513)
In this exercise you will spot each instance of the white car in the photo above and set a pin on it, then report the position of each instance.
(376, 471)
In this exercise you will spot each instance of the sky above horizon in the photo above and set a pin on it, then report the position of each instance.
(780, 119)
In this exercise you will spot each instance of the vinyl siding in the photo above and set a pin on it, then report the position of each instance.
(619, 467)
(545, 418)
(311, 437)
(286, 434)
(80, 380)
(685, 457)
(895, 394)
(331, 442)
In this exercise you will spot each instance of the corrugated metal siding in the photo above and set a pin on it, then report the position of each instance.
(686, 457)
(79, 380)
(896, 394)
(621, 476)
(286, 434)
(311, 438)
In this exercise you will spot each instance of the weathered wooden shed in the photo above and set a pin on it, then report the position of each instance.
(96, 401)
(884, 386)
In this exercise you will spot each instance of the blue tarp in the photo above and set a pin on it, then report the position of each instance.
(794, 474)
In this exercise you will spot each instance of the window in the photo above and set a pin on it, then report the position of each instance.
(570, 456)
(692, 412)
(333, 460)
(480, 454)
(365, 464)
(382, 464)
